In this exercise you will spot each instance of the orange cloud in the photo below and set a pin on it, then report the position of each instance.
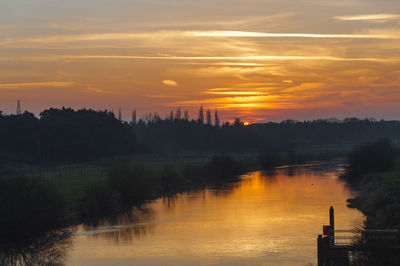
(169, 82)
(96, 90)
(369, 17)
(7, 86)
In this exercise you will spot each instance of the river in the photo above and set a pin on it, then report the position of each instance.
(264, 219)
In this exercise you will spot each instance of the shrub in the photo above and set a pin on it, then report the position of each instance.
(29, 208)
(98, 202)
(269, 158)
(133, 184)
(371, 157)
(222, 168)
(171, 181)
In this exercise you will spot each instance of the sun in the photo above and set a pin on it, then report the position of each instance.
(246, 123)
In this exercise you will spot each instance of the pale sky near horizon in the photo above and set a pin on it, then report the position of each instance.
(261, 60)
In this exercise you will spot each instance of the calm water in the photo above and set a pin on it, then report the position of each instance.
(262, 220)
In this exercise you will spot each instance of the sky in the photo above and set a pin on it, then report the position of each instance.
(260, 60)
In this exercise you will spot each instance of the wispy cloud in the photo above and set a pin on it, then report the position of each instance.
(93, 37)
(161, 96)
(369, 17)
(169, 82)
(287, 35)
(233, 92)
(199, 58)
(262, 101)
(96, 90)
(178, 35)
(7, 86)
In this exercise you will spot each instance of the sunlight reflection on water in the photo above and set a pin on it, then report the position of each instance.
(264, 219)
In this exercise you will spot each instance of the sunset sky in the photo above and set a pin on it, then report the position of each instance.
(261, 60)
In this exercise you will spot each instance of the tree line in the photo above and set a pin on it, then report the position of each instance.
(64, 135)
(67, 135)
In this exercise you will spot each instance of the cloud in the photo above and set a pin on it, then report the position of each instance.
(169, 82)
(286, 35)
(96, 90)
(262, 101)
(232, 92)
(369, 17)
(161, 96)
(172, 35)
(93, 37)
(6, 86)
(198, 58)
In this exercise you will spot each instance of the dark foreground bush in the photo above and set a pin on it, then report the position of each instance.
(171, 181)
(269, 158)
(222, 168)
(48, 250)
(98, 202)
(378, 156)
(133, 184)
(28, 209)
(375, 250)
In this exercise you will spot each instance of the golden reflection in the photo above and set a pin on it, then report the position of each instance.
(267, 218)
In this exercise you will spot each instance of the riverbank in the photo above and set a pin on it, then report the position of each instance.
(379, 198)
(93, 191)
(374, 172)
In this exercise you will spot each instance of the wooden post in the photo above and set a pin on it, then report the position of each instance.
(332, 225)
(323, 251)
(320, 251)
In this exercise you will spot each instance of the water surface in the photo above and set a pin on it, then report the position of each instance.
(265, 219)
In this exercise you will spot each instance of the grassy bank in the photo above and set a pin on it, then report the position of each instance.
(35, 204)
(374, 171)
(70, 181)
(379, 198)
(89, 192)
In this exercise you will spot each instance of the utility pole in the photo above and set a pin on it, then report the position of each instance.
(134, 117)
(19, 108)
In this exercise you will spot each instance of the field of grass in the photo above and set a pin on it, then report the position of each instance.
(392, 183)
(71, 181)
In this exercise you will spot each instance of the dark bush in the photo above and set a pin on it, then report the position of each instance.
(171, 181)
(29, 208)
(98, 202)
(372, 157)
(133, 184)
(269, 158)
(195, 174)
(222, 168)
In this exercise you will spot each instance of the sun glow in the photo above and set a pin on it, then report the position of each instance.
(283, 63)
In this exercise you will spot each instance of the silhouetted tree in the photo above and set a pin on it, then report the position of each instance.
(377, 156)
(208, 116)
(119, 114)
(216, 118)
(133, 117)
(186, 115)
(178, 113)
(64, 135)
(201, 115)
(237, 121)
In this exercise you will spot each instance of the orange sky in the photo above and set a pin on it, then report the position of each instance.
(260, 60)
